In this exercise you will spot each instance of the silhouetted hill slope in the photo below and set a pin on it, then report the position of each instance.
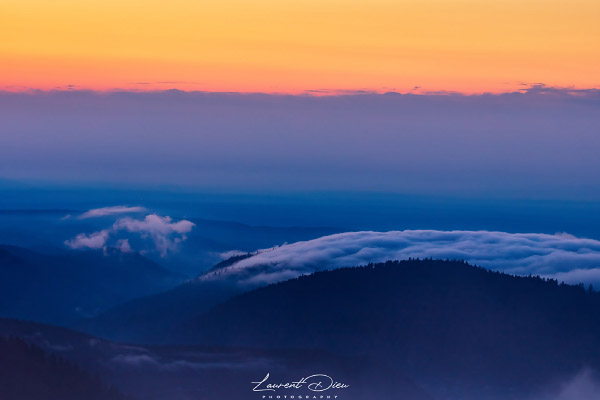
(453, 327)
(151, 319)
(155, 319)
(230, 261)
(10, 327)
(208, 373)
(61, 288)
(27, 373)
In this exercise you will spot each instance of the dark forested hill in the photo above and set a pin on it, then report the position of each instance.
(453, 327)
(156, 319)
(152, 319)
(182, 372)
(61, 288)
(416, 329)
(28, 373)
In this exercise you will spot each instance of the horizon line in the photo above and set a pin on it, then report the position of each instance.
(537, 88)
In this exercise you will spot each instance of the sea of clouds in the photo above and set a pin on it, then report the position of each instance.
(561, 256)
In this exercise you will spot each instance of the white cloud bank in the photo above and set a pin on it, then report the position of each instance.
(164, 233)
(560, 256)
(114, 210)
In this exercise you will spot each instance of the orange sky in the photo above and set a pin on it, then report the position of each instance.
(294, 46)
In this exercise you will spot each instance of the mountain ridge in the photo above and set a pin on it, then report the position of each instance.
(61, 288)
(440, 322)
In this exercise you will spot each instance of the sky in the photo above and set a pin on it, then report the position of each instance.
(460, 98)
(324, 46)
(541, 143)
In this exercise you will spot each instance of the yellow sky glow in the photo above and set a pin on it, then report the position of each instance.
(283, 46)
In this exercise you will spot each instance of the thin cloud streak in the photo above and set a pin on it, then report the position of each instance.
(106, 211)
